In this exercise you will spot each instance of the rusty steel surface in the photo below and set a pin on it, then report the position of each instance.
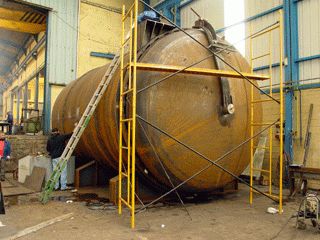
(186, 106)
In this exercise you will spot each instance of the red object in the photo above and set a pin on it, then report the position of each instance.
(1, 148)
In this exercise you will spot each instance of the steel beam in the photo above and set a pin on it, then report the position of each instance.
(30, 55)
(198, 71)
(291, 70)
(18, 104)
(25, 101)
(259, 15)
(19, 26)
(102, 55)
(186, 3)
(308, 58)
(7, 13)
(36, 94)
(166, 8)
(11, 101)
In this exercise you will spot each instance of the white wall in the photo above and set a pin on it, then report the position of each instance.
(261, 44)
(309, 39)
(211, 10)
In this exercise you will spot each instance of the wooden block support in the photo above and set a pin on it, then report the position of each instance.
(85, 166)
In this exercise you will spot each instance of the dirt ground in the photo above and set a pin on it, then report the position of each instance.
(224, 217)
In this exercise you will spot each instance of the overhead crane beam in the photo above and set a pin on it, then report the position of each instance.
(18, 26)
(7, 13)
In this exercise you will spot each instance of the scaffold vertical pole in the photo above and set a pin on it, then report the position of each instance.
(281, 109)
(251, 120)
(121, 109)
(134, 100)
(270, 130)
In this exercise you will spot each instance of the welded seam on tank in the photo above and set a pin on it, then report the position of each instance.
(211, 162)
(230, 65)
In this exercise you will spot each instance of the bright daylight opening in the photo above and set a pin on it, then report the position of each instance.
(233, 13)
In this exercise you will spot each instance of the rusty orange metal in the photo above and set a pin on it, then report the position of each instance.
(186, 106)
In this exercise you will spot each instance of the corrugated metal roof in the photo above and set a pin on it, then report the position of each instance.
(13, 42)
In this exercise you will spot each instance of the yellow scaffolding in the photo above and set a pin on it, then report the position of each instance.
(269, 31)
(127, 153)
(128, 91)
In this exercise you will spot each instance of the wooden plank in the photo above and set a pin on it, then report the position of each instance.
(78, 170)
(198, 71)
(36, 180)
(19, 26)
(13, 188)
(305, 170)
(39, 226)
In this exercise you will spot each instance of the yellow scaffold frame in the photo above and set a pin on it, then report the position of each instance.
(128, 90)
(269, 31)
(129, 121)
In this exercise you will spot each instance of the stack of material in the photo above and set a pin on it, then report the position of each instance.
(36, 180)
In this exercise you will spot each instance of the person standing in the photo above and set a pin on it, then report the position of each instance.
(5, 151)
(10, 121)
(55, 146)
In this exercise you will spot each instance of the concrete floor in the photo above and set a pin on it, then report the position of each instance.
(225, 217)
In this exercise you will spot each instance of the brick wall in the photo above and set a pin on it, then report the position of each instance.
(23, 145)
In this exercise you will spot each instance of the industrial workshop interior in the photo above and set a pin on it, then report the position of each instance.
(159, 119)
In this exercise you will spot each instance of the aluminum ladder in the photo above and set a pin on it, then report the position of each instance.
(79, 129)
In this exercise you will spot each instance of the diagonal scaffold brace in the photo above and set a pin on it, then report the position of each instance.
(211, 51)
(164, 169)
(211, 162)
(201, 60)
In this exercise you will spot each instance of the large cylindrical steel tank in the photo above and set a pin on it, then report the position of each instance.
(186, 106)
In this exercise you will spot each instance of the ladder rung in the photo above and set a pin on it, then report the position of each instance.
(126, 120)
(128, 91)
(270, 195)
(126, 41)
(124, 147)
(261, 124)
(78, 130)
(266, 148)
(126, 203)
(126, 66)
(260, 170)
(263, 100)
(127, 14)
(261, 56)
